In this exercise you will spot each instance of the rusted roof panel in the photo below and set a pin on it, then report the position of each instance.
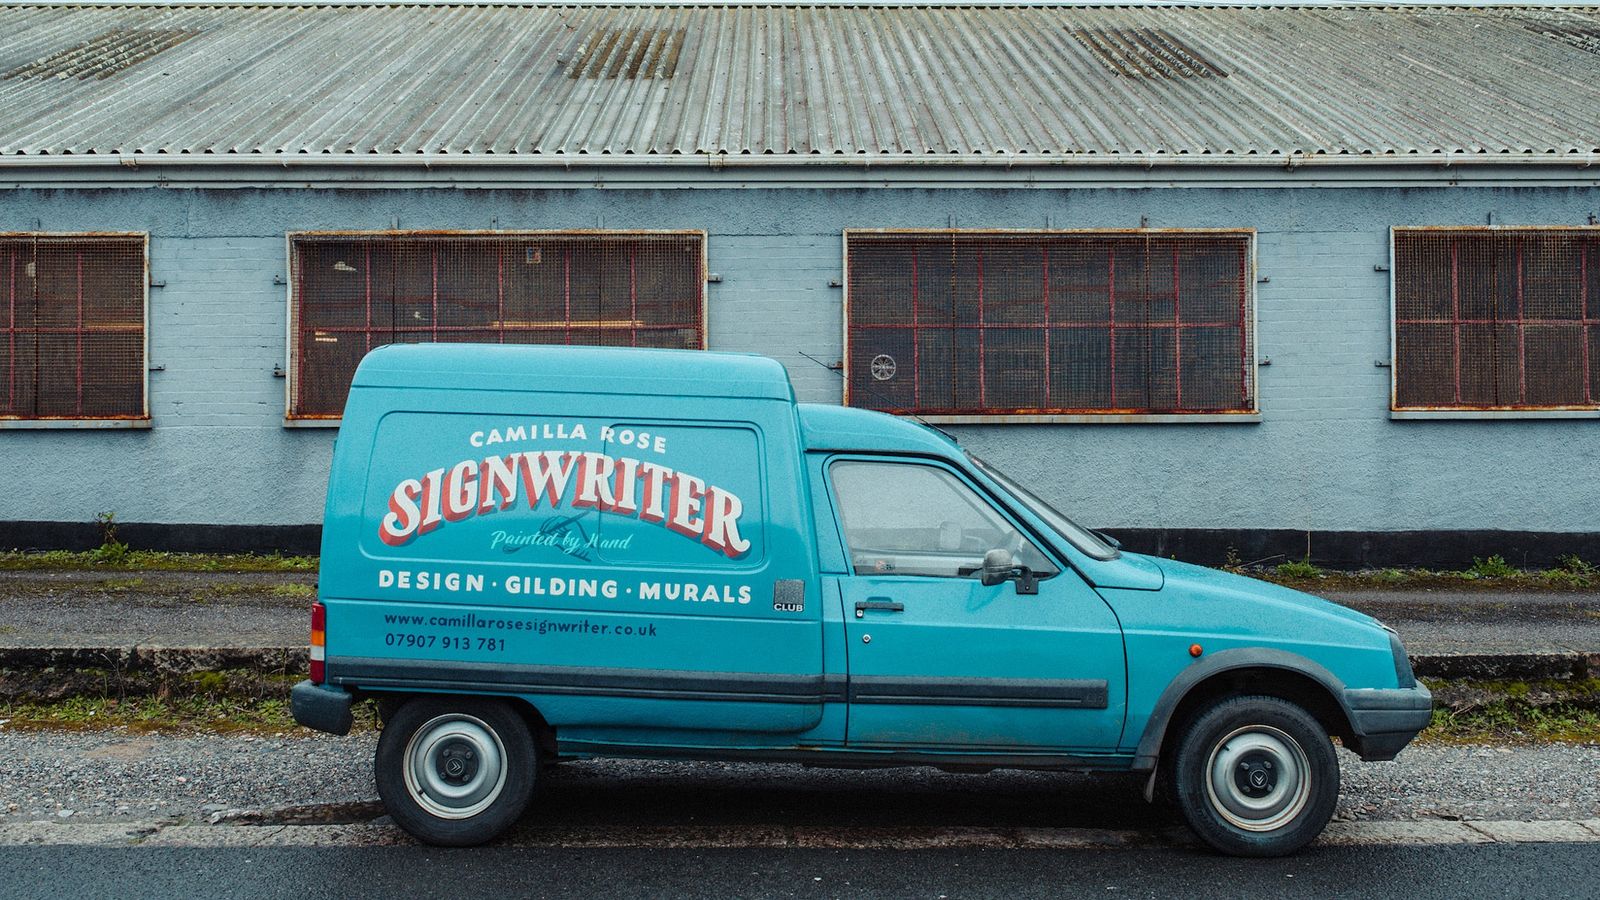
(900, 82)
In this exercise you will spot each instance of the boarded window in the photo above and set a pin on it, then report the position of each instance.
(354, 292)
(1496, 318)
(969, 323)
(72, 320)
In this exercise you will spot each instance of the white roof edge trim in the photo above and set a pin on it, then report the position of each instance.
(1586, 5)
(787, 161)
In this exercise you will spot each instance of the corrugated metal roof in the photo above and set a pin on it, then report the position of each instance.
(904, 83)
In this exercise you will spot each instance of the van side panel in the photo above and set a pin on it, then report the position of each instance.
(636, 562)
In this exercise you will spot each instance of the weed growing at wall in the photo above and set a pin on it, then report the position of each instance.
(111, 550)
(1296, 569)
(1493, 567)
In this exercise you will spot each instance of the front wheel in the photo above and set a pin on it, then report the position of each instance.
(1256, 776)
(455, 771)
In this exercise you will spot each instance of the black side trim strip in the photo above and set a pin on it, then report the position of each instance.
(856, 758)
(1077, 693)
(657, 684)
(747, 687)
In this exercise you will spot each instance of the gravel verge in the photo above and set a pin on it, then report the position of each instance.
(112, 776)
(112, 609)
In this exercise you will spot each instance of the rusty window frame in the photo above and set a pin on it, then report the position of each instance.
(1586, 401)
(133, 281)
(498, 329)
(1247, 411)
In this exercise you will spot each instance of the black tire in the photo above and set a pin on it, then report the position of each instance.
(455, 771)
(1256, 776)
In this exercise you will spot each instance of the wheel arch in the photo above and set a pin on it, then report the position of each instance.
(544, 734)
(1242, 671)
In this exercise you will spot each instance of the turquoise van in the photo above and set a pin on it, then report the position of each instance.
(543, 553)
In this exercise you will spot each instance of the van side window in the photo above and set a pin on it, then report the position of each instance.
(908, 519)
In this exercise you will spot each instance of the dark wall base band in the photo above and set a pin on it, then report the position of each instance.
(1361, 549)
(294, 540)
(1207, 546)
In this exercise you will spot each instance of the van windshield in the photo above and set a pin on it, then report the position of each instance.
(1080, 537)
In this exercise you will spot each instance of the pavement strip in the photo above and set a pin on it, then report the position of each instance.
(1338, 834)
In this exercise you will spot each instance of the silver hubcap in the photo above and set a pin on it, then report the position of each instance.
(455, 766)
(1258, 778)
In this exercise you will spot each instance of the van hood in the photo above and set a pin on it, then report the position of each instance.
(1189, 579)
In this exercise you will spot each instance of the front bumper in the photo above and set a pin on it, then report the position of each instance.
(1384, 721)
(321, 707)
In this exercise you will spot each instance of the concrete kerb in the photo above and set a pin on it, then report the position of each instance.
(50, 674)
(158, 660)
(1507, 666)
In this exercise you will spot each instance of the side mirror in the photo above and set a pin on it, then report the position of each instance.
(998, 567)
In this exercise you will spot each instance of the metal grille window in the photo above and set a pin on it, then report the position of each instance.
(72, 327)
(1496, 318)
(351, 292)
(1053, 323)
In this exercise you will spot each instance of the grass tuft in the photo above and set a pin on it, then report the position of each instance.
(1298, 569)
(1573, 573)
(153, 561)
(1552, 710)
(150, 714)
(1512, 722)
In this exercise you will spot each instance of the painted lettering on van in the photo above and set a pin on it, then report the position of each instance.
(651, 492)
(561, 431)
(521, 433)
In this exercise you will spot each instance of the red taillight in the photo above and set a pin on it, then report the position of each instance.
(319, 641)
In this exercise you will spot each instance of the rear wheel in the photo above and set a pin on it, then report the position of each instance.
(1256, 776)
(455, 771)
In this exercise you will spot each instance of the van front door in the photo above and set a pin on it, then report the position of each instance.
(939, 661)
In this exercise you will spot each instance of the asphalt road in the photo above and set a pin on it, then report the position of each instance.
(117, 815)
(1415, 873)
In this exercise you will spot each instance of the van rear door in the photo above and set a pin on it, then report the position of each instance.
(617, 560)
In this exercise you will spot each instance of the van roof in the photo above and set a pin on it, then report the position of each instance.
(579, 370)
(827, 427)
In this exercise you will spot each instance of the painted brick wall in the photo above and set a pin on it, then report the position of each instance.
(1326, 457)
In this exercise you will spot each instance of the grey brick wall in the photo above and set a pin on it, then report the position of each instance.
(1326, 456)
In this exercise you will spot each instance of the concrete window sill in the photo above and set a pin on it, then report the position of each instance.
(1415, 415)
(1242, 418)
(73, 424)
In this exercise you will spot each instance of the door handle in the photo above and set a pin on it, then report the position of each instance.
(879, 603)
